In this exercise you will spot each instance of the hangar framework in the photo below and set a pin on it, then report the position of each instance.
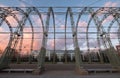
(72, 25)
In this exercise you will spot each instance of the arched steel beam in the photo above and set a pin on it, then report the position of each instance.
(15, 37)
(98, 39)
(111, 53)
(116, 16)
(25, 17)
(32, 41)
(40, 17)
(98, 24)
(78, 58)
(1, 21)
(41, 56)
(53, 16)
(5, 58)
(20, 27)
(79, 16)
(66, 16)
(19, 31)
(106, 15)
(109, 28)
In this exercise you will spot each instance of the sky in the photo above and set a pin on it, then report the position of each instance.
(60, 43)
(54, 3)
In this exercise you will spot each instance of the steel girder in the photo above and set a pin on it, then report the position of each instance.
(105, 35)
(5, 58)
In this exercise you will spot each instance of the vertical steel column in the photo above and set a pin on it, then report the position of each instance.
(65, 37)
(78, 59)
(53, 16)
(42, 53)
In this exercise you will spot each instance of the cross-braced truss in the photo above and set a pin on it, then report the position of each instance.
(76, 24)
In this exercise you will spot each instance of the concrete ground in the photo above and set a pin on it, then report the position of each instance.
(59, 71)
(59, 74)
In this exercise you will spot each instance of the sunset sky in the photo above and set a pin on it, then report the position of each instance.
(60, 42)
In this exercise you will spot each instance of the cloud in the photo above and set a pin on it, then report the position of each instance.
(51, 44)
(118, 34)
(37, 38)
(37, 21)
(113, 36)
(106, 5)
(108, 19)
(92, 44)
(4, 38)
(1, 29)
(62, 27)
(1, 5)
(60, 43)
(82, 25)
(22, 5)
(12, 21)
(26, 42)
(111, 4)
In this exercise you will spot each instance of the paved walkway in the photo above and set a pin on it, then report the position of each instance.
(59, 74)
(59, 71)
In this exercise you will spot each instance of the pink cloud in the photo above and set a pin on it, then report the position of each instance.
(113, 36)
(3, 39)
(12, 21)
(82, 24)
(59, 44)
(51, 44)
(62, 26)
(1, 5)
(37, 21)
(110, 4)
(107, 4)
(109, 18)
(1, 29)
(37, 42)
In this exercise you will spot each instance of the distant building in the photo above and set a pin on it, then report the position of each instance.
(59, 53)
(118, 49)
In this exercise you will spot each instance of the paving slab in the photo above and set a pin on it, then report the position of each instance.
(58, 74)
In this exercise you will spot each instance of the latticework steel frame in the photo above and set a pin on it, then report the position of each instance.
(16, 36)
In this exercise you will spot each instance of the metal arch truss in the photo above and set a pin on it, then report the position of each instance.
(94, 12)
